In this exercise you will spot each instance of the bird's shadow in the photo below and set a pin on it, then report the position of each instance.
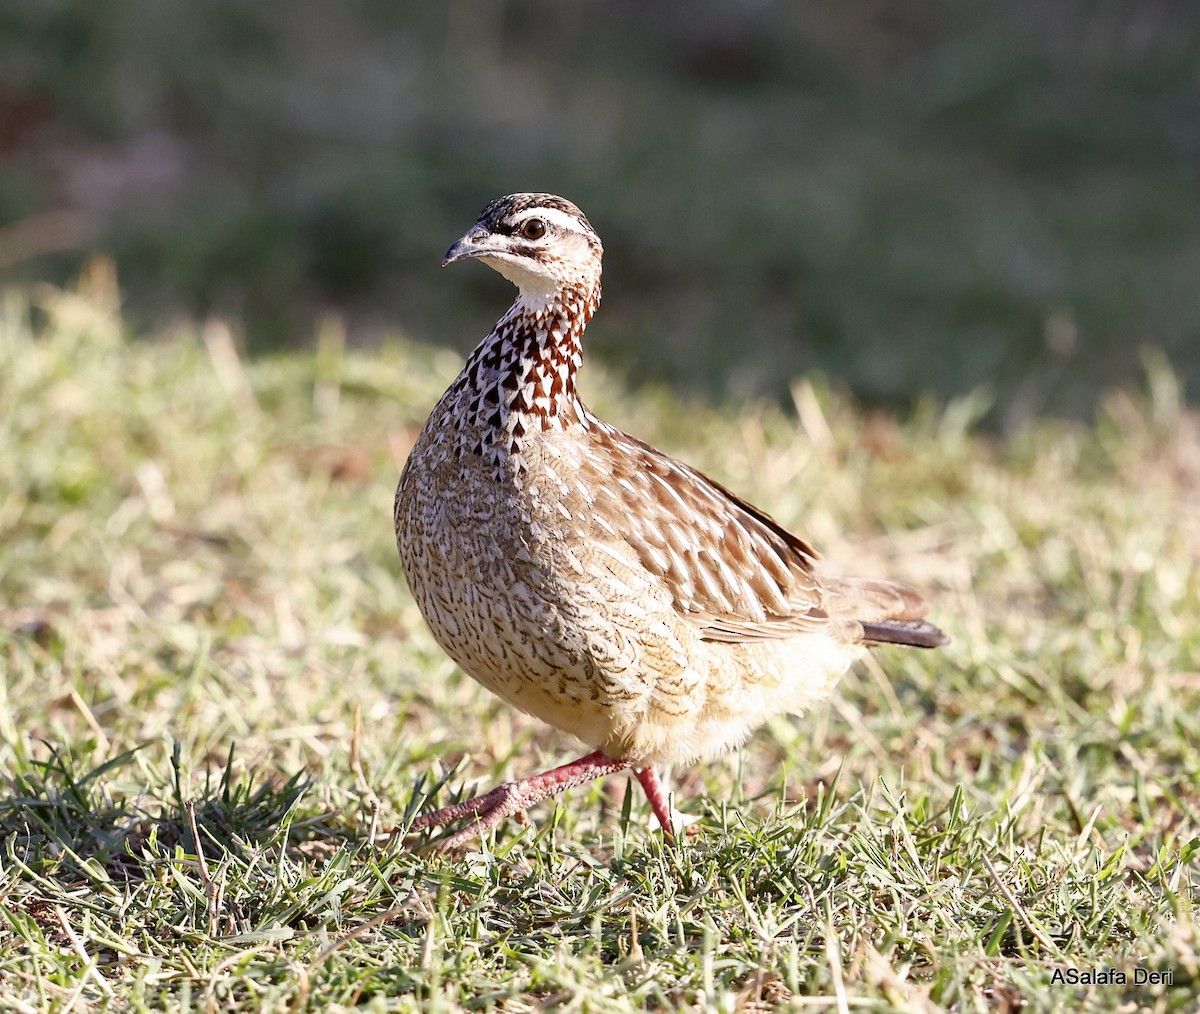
(89, 824)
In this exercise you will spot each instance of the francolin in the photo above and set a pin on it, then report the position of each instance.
(591, 580)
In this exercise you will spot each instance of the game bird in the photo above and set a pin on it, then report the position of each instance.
(588, 578)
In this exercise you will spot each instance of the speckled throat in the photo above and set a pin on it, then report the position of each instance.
(521, 378)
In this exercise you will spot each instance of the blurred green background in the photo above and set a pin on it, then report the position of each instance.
(908, 195)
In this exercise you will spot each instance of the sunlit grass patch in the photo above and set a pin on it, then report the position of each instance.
(218, 699)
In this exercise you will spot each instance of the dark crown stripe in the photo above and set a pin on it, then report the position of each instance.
(494, 215)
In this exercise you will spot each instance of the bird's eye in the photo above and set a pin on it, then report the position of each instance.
(535, 228)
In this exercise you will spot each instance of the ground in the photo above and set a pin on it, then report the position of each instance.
(219, 699)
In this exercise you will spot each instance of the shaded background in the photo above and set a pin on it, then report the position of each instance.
(909, 195)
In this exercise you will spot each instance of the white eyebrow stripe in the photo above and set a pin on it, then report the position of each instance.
(550, 215)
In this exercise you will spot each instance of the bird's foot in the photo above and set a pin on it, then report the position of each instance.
(669, 818)
(513, 798)
(486, 812)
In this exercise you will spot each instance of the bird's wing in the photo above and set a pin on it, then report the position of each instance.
(731, 569)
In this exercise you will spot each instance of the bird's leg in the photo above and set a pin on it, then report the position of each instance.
(516, 797)
(659, 802)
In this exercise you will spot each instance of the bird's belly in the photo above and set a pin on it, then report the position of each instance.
(502, 602)
(578, 673)
(742, 685)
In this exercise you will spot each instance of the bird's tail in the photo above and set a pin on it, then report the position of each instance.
(889, 612)
(915, 633)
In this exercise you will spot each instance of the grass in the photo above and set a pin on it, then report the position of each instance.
(218, 697)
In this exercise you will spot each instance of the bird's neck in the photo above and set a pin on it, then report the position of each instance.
(521, 378)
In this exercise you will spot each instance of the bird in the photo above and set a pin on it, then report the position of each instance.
(588, 578)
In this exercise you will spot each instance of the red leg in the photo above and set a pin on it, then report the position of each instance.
(658, 799)
(511, 798)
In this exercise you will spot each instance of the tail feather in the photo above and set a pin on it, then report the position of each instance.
(869, 600)
(914, 633)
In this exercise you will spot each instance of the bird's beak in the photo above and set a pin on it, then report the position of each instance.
(471, 245)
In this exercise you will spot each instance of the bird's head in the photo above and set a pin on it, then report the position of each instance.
(539, 242)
